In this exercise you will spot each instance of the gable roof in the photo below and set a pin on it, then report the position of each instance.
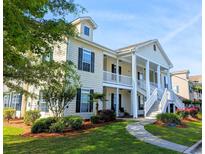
(180, 72)
(142, 44)
(87, 18)
(195, 78)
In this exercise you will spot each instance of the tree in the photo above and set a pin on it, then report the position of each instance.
(29, 35)
(96, 98)
(60, 91)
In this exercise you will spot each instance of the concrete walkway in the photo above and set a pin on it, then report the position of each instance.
(137, 130)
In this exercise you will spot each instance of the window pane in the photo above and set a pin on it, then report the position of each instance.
(86, 56)
(6, 100)
(86, 30)
(85, 101)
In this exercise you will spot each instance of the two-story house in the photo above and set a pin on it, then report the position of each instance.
(185, 85)
(135, 79)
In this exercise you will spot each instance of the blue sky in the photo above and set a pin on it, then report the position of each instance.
(175, 23)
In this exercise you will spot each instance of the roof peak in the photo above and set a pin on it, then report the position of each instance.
(77, 20)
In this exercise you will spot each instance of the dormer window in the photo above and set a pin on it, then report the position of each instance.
(86, 31)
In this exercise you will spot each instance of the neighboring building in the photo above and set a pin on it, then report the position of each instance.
(196, 84)
(183, 85)
(180, 83)
(135, 78)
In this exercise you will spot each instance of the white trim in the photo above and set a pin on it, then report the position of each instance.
(152, 61)
(112, 85)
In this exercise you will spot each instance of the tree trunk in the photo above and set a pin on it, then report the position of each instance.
(24, 101)
(97, 108)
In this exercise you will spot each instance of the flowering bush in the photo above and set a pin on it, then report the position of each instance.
(192, 111)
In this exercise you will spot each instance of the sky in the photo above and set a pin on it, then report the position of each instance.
(176, 24)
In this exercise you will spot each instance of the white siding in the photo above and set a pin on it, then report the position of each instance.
(88, 80)
(154, 56)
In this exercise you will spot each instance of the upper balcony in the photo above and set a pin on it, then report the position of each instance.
(112, 78)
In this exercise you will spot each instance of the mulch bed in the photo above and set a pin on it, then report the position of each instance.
(183, 122)
(86, 128)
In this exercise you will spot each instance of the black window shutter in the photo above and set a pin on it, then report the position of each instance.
(80, 58)
(78, 97)
(113, 68)
(120, 101)
(112, 101)
(120, 70)
(92, 61)
(91, 100)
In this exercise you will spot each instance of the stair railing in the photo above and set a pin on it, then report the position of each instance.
(163, 102)
(150, 101)
(177, 100)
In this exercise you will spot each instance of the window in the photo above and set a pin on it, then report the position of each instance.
(86, 60)
(86, 30)
(154, 47)
(13, 100)
(42, 103)
(176, 89)
(6, 100)
(85, 100)
(16, 101)
(141, 102)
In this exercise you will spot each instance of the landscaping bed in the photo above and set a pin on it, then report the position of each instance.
(87, 125)
(184, 127)
(188, 135)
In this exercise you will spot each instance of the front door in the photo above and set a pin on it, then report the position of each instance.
(171, 108)
(114, 100)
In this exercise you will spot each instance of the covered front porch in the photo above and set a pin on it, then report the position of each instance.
(120, 100)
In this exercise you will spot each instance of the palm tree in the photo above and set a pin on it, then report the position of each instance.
(96, 98)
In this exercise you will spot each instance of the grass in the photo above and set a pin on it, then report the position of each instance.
(112, 138)
(185, 136)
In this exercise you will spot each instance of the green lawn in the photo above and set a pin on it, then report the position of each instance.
(112, 138)
(185, 136)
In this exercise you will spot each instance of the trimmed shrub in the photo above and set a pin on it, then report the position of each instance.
(182, 113)
(75, 122)
(187, 102)
(168, 118)
(31, 116)
(9, 113)
(43, 125)
(57, 127)
(107, 115)
(199, 115)
(95, 119)
(192, 111)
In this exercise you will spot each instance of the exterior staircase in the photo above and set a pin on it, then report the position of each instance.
(160, 105)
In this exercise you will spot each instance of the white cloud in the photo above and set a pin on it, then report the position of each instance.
(181, 28)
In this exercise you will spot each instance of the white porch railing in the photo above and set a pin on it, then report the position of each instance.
(150, 101)
(125, 80)
(141, 84)
(163, 101)
(112, 78)
(109, 77)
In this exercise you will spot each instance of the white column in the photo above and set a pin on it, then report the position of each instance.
(158, 77)
(168, 79)
(134, 85)
(117, 70)
(168, 108)
(117, 102)
(147, 79)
